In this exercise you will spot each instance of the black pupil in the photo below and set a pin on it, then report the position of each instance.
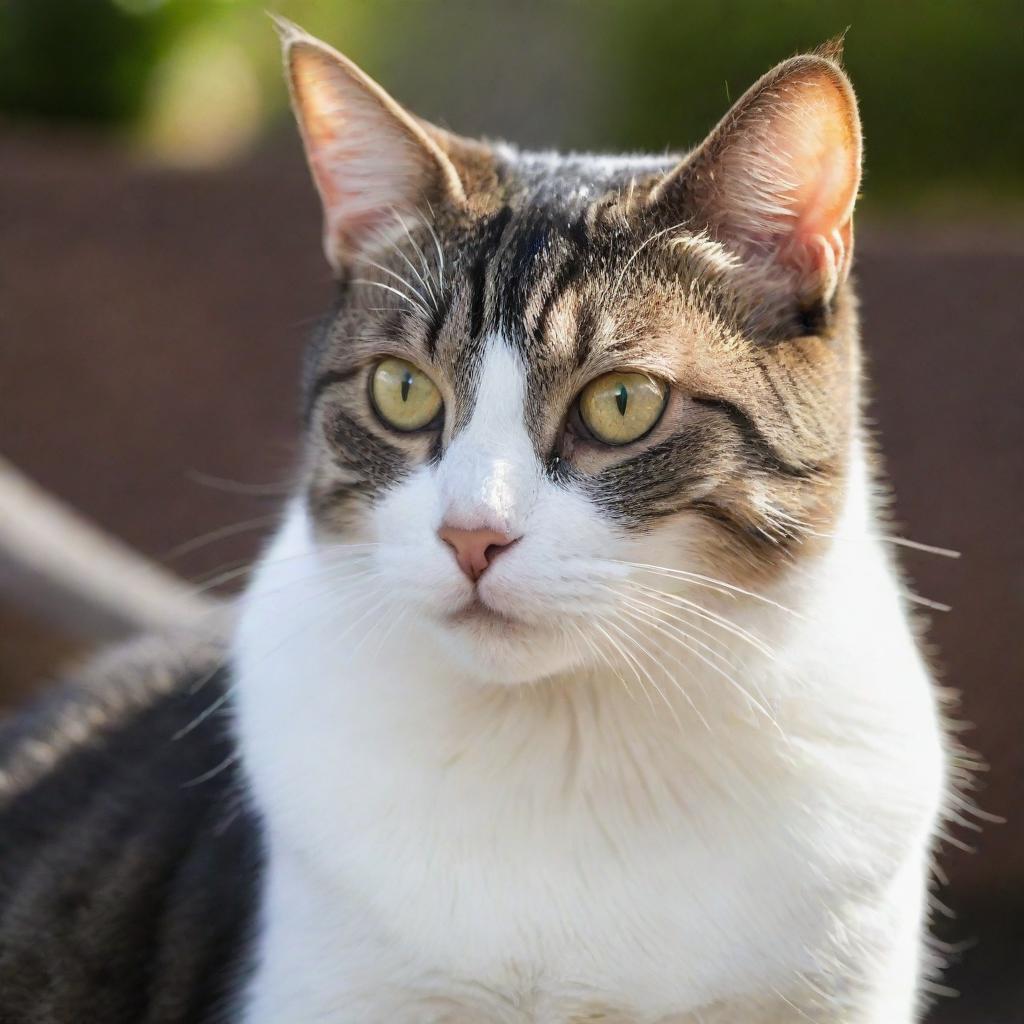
(622, 398)
(406, 384)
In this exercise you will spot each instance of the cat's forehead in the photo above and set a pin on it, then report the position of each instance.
(562, 268)
(558, 227)
(573, 180)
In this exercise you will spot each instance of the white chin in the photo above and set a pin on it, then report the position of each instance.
(506, 653)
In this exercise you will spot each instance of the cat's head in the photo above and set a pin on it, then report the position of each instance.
(556, 392)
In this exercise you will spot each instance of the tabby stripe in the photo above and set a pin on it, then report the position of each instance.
(566, 276)
(756, 441)
(586, 332)
(493, 233)
(747, 532)
(477, 289)
(782, 403)
(801, 428)
(437, 321)
(326, 380)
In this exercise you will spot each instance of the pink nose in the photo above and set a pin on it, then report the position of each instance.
(475, 549)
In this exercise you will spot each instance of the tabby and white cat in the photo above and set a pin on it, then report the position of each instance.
(576, 684)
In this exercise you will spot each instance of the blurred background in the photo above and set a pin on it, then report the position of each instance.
(160, 267)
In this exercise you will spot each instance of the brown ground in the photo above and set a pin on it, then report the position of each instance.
(150, 331)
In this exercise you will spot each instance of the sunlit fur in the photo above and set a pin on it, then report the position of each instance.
(676, 757)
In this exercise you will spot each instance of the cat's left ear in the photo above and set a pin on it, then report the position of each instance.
(777, 179)
(371, 160)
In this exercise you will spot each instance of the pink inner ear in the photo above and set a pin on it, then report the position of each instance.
(778, 179)
(366, 164)
(814, 156)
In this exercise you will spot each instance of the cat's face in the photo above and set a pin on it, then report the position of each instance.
(556, 392)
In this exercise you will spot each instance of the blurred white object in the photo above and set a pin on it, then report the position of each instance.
(60, 568)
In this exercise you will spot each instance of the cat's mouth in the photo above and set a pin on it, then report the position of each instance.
(478, 613)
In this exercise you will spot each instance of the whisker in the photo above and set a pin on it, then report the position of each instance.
(677, 600)
(235, 572)
(437, 245)
(915, 545)
(656, 617)
(593, 645)
(402, 295)
(660, 613)
(596, 623)
(423, 259)
(682, 638)
(220, 533)
(697, 579)
(680, 689)
(213, 772)
(326, 580)
(639, 249)
(202, 716)
(330, 609)
(237, 486)
(661, 693)
(398, 277)
(393, 622)
(927, 602)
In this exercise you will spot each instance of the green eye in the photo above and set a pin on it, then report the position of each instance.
(621, 407)
(403, 395)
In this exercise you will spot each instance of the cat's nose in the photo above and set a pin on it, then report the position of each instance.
(475, 549)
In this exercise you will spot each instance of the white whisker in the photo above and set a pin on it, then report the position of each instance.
(221, 533)
(661, 693)
(680, 689)
(596, 623)
(402, 295)
(698, 580)
(437, 246)
(419, 252)
(683, 639)
(660, 613)
(639, 249)
(398, 277)
(915, 545)
(680, 602)
(656, 617)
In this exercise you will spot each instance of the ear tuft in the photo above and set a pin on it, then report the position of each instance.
(286, 30)
(371, 160)
(777, 179)
(832, 49)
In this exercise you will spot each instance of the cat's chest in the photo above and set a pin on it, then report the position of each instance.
(602, 905)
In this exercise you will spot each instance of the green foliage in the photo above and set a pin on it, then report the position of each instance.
(939, 81)
(85, 60)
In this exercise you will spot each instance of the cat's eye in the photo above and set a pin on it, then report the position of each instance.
(618, 408)
(404, 397)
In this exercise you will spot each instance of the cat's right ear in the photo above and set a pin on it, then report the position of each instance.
(371, 160)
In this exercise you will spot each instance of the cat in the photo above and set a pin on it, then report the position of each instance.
(577, 683)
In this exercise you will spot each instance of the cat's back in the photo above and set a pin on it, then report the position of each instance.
(128, 856)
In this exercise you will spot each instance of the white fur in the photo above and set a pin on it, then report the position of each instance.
(469, 825)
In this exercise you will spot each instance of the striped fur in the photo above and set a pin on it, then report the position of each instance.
(569, 264)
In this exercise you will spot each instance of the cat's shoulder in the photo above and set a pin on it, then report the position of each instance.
(129, 856)
(95, 708)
